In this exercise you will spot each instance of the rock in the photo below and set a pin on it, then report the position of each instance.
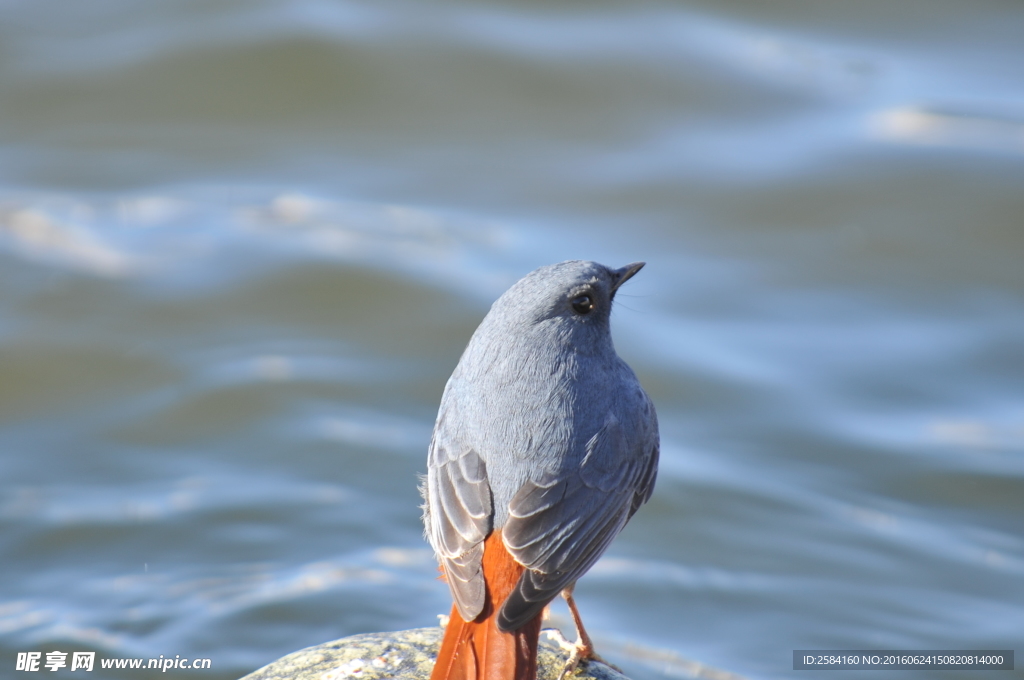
(405, 655)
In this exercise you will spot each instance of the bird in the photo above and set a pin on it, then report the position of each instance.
(544, 446)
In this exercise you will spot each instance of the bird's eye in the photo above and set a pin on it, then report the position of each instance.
(582, 304)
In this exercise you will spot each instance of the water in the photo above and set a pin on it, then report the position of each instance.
(242, 246)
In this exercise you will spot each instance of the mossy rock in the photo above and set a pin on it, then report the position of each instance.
(405, 655)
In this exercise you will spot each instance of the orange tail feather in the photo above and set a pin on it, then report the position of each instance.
(477, 650)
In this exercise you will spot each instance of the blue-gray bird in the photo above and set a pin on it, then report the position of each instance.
(544, 446)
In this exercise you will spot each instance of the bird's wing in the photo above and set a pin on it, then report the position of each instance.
(561, 521)
(457, 516)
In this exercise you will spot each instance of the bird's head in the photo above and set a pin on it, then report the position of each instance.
(571, 300)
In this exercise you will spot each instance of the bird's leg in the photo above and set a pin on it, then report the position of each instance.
(583, 650)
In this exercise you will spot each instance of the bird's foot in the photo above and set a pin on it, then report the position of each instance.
(578, 651)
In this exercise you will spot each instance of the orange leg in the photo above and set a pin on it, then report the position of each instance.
(583, 650)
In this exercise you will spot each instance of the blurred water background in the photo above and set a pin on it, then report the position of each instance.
(242, 245)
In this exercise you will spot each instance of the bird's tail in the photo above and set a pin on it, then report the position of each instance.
(477, 649)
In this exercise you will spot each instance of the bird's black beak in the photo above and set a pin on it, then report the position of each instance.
(620, 276)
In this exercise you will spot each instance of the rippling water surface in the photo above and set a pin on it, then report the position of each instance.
(242, 245)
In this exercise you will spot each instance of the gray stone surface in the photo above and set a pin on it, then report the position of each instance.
(407, 654)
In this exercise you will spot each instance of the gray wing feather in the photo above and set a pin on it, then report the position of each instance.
(562, 521)
(536, 588)
(457, 515)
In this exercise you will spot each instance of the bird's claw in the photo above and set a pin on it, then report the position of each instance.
(556, 636)
(578, 652)
(575, 657)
